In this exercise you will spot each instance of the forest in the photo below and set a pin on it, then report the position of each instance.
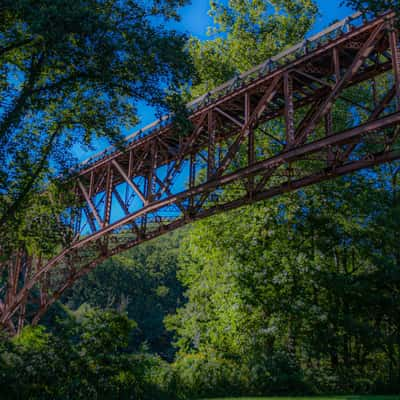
(298, 295)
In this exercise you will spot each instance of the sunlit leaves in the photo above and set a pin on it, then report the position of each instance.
(249, 32)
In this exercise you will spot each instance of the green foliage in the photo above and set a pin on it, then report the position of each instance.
(249, 32)
(374, 6)
(292, 290)
(84, 359)
(71, 71)
(203, 375)
(141, 282)
(301, 276)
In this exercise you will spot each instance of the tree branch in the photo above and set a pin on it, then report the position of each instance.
(15, 45)
(31, 181)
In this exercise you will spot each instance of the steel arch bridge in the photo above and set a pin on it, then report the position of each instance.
(269, 131)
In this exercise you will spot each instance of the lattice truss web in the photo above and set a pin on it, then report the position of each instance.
(327, 107)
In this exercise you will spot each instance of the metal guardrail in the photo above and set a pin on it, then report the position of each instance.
(308, 45)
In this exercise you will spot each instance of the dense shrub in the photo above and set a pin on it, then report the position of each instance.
(276, 374)
(207, 375)
(86, 359)
(204, 375)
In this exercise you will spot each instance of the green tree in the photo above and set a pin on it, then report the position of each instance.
(246, 33)
(87, 356)
(374, 6)
(310, 276)
(291, 289)
(71, 71)
(141, 282)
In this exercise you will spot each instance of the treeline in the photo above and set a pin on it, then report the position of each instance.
(301, 294)
(141, 283)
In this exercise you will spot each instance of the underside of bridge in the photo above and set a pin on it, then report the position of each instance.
(269, 131)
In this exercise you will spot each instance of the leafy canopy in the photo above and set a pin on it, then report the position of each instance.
(74, 70)
(374, 6)
(308, 281)
(246, 33)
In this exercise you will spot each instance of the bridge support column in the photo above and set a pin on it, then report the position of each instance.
(108, 200)
(211, 145)
(289, 109)
(328, 131)
(192, 177)
(336, 63)
(150, 175)
(251, 156)
(394, 47)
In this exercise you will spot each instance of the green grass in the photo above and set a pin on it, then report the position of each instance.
(397, 397)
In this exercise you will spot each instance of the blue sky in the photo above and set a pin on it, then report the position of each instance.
(194, 21)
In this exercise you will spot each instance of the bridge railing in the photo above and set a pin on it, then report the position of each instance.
(291, 54)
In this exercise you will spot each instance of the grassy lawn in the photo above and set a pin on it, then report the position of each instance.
(397, 397)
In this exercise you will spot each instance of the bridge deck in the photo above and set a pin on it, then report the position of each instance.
(309, 62)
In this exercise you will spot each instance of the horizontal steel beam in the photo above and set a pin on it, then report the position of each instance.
(259, 167)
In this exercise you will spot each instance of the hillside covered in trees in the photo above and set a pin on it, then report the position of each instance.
(296, 295)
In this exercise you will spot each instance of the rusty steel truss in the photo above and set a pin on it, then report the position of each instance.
(274, 129)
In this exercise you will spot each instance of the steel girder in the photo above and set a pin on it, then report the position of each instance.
(269, 132)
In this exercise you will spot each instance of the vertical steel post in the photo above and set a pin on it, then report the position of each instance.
(149, 186)
(374, 92)
(130, 164)
(108, 201)
(247, 113)
(91, 184)
(289, 109)
(22, 312)
(328, 132)
(251, 156)
(76, 212)
(394, 47)
(192, 177)
(336, 64)
(211, 145)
